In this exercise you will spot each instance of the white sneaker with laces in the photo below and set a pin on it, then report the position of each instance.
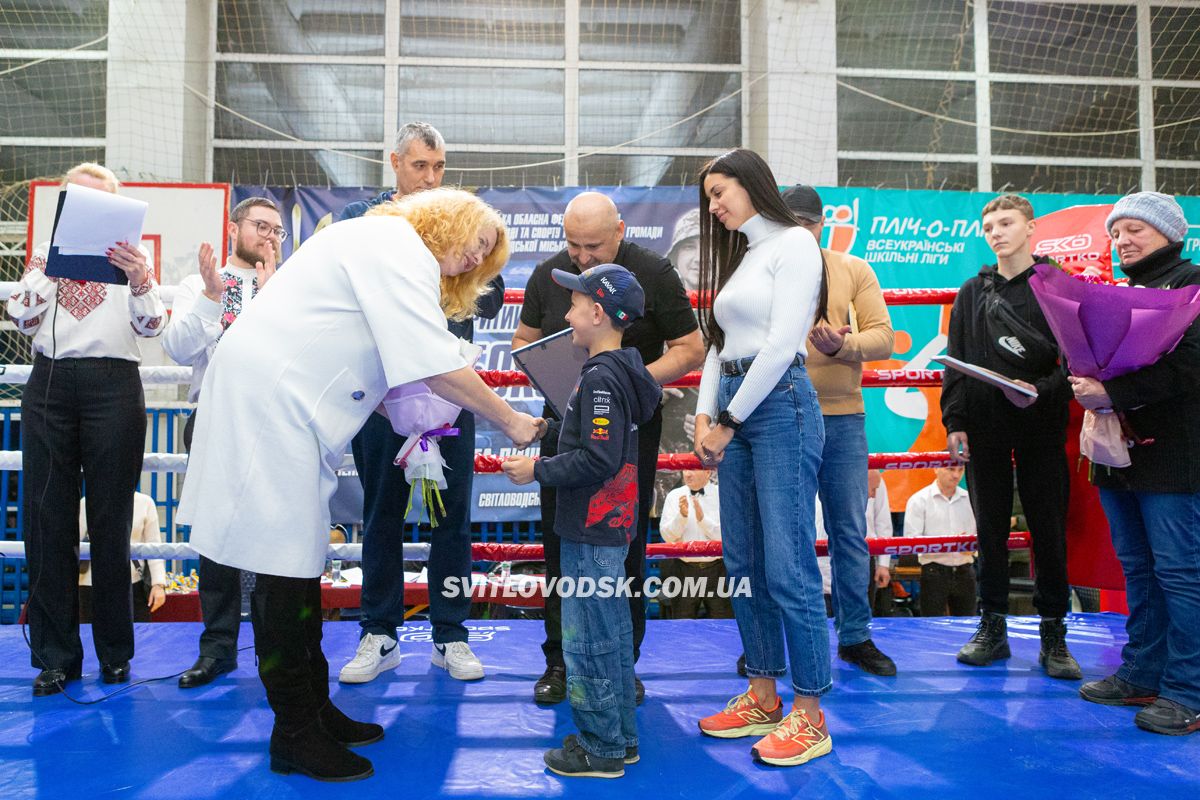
(457, 659)
(376, 653)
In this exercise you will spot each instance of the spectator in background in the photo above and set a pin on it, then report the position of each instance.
(1153, 504)
(83, 409)
(943, 508)
(692, 513)
(206, 304)
(149, 577)
(879, 526)
(857, 329)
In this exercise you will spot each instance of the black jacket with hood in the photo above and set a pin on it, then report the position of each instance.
(982, 410)
(595, 470)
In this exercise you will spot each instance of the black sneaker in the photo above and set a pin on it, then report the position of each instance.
(639, 691)
(1054, 655)
(631, 755)
(1168, 717)
(1113, 691)
(867, 657)
(572, 761)
(741, 665)
(989, 643)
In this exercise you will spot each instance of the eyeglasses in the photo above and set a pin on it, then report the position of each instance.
(265, 229)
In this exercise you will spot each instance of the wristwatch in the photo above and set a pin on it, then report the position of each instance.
(728, 420)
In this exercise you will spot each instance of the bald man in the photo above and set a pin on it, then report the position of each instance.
(668, 339)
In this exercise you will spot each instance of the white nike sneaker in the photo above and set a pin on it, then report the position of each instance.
(376, 653)
(457, 659)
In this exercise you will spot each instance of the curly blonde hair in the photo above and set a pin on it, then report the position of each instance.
(448, 220)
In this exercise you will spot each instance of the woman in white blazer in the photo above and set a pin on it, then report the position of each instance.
(358, 310)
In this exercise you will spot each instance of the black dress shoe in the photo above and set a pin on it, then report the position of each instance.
(205, 670)
(115, 673)
(551, 688)
(349, 732)
(52, 681)
(639, 690)
(313, 752)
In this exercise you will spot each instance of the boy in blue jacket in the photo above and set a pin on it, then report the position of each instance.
(595, 472)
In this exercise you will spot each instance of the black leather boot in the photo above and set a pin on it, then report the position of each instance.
(989, 643)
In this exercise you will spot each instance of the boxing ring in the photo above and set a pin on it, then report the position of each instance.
(937, 729)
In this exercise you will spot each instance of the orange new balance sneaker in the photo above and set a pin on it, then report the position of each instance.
(743, 716)
(795, 741)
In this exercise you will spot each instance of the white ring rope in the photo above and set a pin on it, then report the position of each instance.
(413, 551)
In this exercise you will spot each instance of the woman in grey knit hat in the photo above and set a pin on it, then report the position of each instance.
(1153, 505)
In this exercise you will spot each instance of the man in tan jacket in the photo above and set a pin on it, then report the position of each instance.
(858, 329)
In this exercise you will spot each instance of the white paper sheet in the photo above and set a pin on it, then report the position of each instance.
(93, 221)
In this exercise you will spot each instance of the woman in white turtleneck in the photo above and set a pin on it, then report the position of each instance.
(759, 421)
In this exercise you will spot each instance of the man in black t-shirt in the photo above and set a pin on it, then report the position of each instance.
(667, 337)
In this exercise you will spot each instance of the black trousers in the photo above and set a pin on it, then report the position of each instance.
(649, 436)
(944, 587)
(286, 615)
(220, 590)
(86, 414)
(1044, 484)
(385, 496)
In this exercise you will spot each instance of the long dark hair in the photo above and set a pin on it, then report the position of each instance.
(722, 250)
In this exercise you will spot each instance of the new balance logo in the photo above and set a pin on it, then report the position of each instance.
(1013, 345)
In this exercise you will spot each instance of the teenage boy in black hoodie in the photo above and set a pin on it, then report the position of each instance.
(595, 473)
(997, 323)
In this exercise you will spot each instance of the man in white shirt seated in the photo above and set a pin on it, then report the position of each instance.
(149, 577)
(692, 513)
(947, 579)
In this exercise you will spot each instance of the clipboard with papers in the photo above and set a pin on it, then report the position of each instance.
(87, 222)
(984, 374)
(553, 365)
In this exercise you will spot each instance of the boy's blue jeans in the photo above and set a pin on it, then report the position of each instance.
(597, 642)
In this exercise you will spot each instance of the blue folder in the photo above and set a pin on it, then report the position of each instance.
(80, 268)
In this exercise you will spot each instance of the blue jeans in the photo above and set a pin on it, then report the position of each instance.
(843, 489)
(385, 494)
(597, 644)
(768, 526)
(1157, 538)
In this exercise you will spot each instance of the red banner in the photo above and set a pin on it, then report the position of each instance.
(1076, 238)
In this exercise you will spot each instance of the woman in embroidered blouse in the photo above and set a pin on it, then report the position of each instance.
(758, 419)
(83, 408)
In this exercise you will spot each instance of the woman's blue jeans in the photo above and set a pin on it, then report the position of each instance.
(768, 526)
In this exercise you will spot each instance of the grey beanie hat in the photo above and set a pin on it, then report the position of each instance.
(1154, 208)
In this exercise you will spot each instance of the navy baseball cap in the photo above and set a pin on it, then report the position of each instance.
(612, 286)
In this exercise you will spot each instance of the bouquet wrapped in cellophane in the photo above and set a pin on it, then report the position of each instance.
(423, 417)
